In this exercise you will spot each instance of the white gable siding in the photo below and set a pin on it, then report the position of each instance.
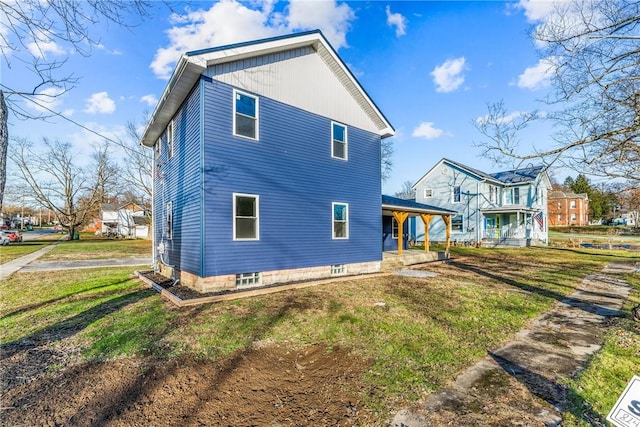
(298, 77)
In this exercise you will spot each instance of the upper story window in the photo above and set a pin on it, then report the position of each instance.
(246, 216)
(169, 221)
(170, 139)
(513, 196)
(493, 193)
(573, 204)
(455, 196)
(559, 205)
(338, 141)
(245, 115)
(340, 220)
(428, 192)
(158, 147)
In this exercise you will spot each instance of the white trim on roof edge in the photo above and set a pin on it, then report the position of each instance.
(192, 65)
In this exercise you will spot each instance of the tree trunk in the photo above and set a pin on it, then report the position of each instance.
(4, 145)
(72, 231)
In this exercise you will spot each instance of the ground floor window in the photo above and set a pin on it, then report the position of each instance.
(394, 228)
(340, 220)
(456, 223)
(246, 215)
(248, 279)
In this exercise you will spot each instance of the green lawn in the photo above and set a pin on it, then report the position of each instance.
(16, 250)
(95, 248)
(426, 332)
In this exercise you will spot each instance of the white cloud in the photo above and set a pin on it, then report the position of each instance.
(501, 120)
(398, 21)
(427, 130)
(538, 76)
(100, 103)
(47, 100)
(449, 76)
(229, 21)
(149, 99)
(40, 49)
(537, 10)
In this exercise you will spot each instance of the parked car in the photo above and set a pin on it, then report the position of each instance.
(4, 240)
(12, 235)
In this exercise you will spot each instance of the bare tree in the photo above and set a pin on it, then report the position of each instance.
(593, 57)
(386, 151)
(57, 183)
(137, 173)
(30, 29)
(407, 192)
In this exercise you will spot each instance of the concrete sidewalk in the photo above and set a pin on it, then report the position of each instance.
(8, 268)
(522, 382)
(87, 263)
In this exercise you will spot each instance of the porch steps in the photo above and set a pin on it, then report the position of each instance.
(391, 261)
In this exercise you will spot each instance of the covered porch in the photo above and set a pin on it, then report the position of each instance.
(396, 238)
(509, 226)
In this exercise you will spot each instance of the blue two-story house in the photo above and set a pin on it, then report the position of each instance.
(506, 208)
(267, 166)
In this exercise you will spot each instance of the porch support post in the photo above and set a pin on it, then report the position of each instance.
(447, 224)
(426, 219)
(400, 217)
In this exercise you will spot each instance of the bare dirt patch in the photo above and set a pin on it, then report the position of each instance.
(269, 386)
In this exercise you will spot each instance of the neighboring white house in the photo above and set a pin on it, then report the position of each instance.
(630, 218)
(124, 221)
(500, 209)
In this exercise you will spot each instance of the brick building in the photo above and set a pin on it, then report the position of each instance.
(566, 208)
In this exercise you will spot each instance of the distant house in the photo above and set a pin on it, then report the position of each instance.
(630, 218)
(566, 208)
(129, 220)
(267, 166)
(507, 208)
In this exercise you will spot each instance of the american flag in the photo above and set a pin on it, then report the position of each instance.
(540, 219)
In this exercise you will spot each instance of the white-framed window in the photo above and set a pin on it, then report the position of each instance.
(456, 223)
(493, 193)
(170, 139)
(245, 115)
(169, 221)
(394, 228)
(246, 217)
(573, 216)
(158, 147)
(338, 269)
(248, 279)
(573, 204)
(340, 223)
(513, 196)
(428, 192)
(338, 141)
(559, 218)
(455, 194)
(559, 205)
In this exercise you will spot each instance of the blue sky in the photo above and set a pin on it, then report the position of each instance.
(431, 67)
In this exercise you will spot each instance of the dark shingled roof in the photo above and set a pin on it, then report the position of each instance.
(518, 175)
(412, 205)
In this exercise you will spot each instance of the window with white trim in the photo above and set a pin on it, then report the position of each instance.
(158, 147)
(493, 193)
(245, 115)
(338, 269)
(169, 221)
(512, 196)
(573, 204)
(394, 228)
(170, 139)
(455, 194)
(338, 141)
(248, 279)
(428, 192)
(456, 223)
(246, 217)
(573, 216)
(340, 223)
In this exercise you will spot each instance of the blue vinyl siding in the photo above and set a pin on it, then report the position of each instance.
(177, 179)
(290, 168)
